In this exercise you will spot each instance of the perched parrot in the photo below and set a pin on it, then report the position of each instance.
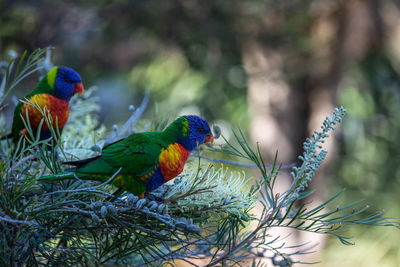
(53, 92)
(147, 160)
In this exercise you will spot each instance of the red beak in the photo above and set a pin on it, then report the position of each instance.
(209, 139)
(78, 88)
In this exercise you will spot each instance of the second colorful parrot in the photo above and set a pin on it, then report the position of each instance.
(53, 92)
(145, 160)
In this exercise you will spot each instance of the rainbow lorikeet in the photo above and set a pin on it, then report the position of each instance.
(147, 160)
(53, 92)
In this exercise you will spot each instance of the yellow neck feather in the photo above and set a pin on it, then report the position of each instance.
(51, 77)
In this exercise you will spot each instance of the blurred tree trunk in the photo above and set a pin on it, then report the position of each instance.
(278, 112)
(277, 120)
(283, 116)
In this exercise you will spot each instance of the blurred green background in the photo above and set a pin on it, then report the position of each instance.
(275, 68)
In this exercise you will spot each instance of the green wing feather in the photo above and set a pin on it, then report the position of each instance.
(137, 155)
(17, 124)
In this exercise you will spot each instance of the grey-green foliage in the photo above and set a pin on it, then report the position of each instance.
(203, 214)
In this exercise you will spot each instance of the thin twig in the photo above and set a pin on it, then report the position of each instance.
(30, 157)
(3, 107)
(17, 221)
(240, 164)
(130, 122)
(201, 190)
(85, 188)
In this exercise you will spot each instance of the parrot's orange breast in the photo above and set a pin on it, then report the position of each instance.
(56, 107)
(172, 160)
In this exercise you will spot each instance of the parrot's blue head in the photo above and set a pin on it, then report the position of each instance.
(66, 82)
(195, 131)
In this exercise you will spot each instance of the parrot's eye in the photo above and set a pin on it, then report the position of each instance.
(201, 130)
(67, 80)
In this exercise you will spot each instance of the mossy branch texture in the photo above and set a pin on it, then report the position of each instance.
(205, 213)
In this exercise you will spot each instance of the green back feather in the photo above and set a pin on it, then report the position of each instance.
(177, 130)
(185, 127)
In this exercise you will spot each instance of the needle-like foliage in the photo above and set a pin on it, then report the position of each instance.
(205, 213)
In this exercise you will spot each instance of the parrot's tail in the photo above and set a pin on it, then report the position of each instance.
(56, 177)
(7, 136)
